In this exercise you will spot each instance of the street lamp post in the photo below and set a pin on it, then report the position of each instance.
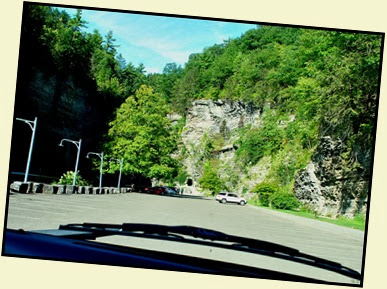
(32, 125)
(100, 155)
(78, 145)
(121, 161)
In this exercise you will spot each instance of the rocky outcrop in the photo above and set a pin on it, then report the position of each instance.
(208, 120)
(213, 117)
(328, 186)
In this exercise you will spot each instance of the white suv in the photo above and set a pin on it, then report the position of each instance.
(225, 197)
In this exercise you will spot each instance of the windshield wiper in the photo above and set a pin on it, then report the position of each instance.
(206, 237)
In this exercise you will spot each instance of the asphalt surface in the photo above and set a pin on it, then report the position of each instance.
(339, 244)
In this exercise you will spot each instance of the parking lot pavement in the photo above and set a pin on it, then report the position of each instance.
(37, 211)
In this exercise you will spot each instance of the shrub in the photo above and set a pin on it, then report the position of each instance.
(306, 208)
(181, 177)
(264, 192)
(245, 190)
(361, 218)
(68, 177)
(284, 201)
(286, 171)
(210, 179)
(258, 142)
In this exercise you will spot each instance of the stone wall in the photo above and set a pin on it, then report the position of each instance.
(39, 188)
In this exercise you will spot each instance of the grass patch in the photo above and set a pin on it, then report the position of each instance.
(357, 223)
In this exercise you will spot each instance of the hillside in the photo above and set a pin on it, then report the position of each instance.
(287, 110)
(314, 95)
(211, 145)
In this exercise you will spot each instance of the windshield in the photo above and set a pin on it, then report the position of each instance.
(255, 137)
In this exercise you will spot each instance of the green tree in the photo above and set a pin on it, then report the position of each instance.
(257, 142)
(165, 82)
(210, 179)
(141, 134)
(265, 191)
(109, 45)
(181, 177)
(115, 79)
(67, 43)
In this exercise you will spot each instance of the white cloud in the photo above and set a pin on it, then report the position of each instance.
(165, 47)
(157, 40)
(152, 70)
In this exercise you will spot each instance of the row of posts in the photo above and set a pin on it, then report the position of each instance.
(33, 124)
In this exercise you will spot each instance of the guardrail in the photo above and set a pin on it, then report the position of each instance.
(40, 188)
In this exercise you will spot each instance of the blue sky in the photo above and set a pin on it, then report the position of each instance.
(157, 40)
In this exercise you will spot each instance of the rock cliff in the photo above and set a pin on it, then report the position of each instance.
(326, 184)
(65, 109)
(216, 122)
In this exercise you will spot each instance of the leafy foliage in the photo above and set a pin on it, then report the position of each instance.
(284, 201)
(181, 177)
(271, 195)
(258, 142)
(65, 40)
(210, 179)
(326, 79)
(68, 177)
(61, 39)
(318, 83)
(308, 83)
(164, 83)
(141, 134)
(265, 191)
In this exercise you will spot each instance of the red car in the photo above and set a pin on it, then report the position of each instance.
(155, 190)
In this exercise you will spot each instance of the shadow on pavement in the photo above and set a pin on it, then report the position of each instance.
(183, 196)
(194, 197)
